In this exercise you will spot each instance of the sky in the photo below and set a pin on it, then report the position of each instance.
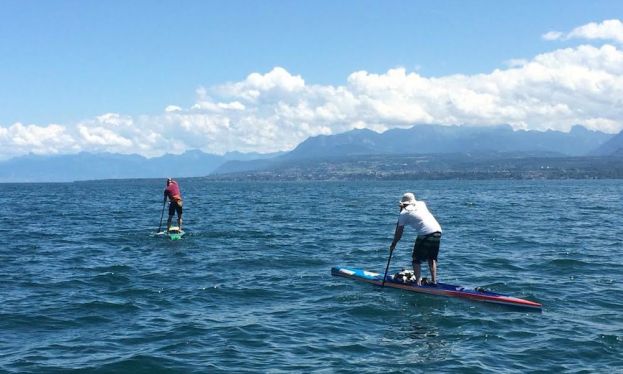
(155, 77)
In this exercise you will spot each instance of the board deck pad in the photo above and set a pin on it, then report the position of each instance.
(174, 233)
(401, 281)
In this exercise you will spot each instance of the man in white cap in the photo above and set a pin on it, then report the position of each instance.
(415, 214)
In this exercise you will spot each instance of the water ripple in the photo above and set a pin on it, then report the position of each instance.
(92, 289)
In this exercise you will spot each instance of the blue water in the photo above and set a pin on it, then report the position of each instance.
(85, 286)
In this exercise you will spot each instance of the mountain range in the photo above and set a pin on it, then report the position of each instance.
(612, 147)
(462, 142)
(495, 142)
(90, 166)
(426, 139)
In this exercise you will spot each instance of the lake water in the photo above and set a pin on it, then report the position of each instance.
(85, 286)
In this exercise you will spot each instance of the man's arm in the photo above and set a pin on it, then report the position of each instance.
(397, 236)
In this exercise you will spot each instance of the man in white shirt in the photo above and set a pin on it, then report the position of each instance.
(415, 214)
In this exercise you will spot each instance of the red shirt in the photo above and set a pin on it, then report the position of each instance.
(173, 191)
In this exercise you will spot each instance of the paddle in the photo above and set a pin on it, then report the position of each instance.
(161, 215)
(387, 267)
(391, 251)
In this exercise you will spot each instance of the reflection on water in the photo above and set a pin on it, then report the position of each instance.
(426, 342)
(423, 333)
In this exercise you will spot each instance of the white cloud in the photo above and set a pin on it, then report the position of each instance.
(102, 137)
(553, 35)
(20, 139)
(172, 108)
(607, 30)
(235, 105)
(277, 110)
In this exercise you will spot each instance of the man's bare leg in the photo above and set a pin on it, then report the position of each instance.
(417, 268)
(432, 266)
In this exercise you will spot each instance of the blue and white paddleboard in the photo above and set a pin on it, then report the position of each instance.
(440, 289)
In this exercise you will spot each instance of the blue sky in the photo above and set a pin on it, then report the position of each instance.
(90, 75)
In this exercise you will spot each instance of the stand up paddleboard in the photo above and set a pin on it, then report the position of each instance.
(406, 281)
(174, 233)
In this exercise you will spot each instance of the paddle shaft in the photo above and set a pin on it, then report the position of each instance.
(387, 267)
(391, 251)
(162, 214)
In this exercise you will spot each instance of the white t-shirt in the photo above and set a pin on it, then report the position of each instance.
(417, 216)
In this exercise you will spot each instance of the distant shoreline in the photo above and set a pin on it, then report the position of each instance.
(438, 167)
(410, 167)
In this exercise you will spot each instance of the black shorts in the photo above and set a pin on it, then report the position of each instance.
(175, 207)
(426, 247)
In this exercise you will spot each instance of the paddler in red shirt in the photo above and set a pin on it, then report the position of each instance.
(175, 202)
